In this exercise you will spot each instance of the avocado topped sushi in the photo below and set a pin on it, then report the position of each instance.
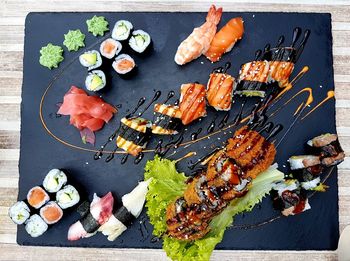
(139, 41)
(91, 59)
(121, 30)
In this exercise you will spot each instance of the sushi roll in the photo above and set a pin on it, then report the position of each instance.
(54, 180)
(110, 48)
(132, 206)
(91, 59)
(328, 147)
(167, 119)
(51, 213)
(134, 134)
(100, 211)
(37, 197)
(123, 64)
(303, 161)
(139, 41)
(95, 81)
(19, 212)
(67, 197)
(220, 91)
(310, 177)
(36, 226)
(121, 30)
(192, 102)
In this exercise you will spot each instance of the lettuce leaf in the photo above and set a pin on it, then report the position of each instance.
(167, 184)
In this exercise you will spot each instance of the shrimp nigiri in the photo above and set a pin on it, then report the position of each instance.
(225, 39)
(198, 42)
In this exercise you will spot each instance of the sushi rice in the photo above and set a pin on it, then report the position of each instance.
(36, 226)
(91, 59)
(54, 180)
(19, 212)
(303, 161)
(139, 41)
(67, 197)
(110, 48)
(123, 64)
(95, 81)
(121, 30)
(311, 184)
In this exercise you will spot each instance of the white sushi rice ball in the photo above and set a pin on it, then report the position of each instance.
(54, 180)
(67, 197)
(110, 48)
(311, 184)
(91, 59)
(139, 41)
(120, 60)
(95, 81)
(36, 226)
(19, 212)
(303, 161)
(121, 30)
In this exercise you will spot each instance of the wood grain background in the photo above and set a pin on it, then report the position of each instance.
(12, 17)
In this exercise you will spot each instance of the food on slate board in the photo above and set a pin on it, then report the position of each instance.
(139, 41)
(97, 25)
(198, 42)
(133, 134)
(90, 59)
(51, 213)
(121, 30)
(86, 111)
(19, 212)
(36, 226)
(123, 64)
(74, 40)
(122, 217)
(98, 214)
(54, 180)
(37, 197)
(110, 48)
(192, 102)
(67, 197)
(167, 119)
(225, 39)
(95, 80)
(51, 55)
(220, 91)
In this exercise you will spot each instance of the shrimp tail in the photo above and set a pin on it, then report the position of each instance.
(214, 15)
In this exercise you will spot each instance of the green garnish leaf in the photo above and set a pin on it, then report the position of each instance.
(167, 184)
(74, 39)
(51, 55)
(97, 25)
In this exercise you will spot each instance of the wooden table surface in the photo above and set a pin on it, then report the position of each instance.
(12, 17)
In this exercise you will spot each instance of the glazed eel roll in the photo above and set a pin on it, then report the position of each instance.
(167, 119)
(134, 134)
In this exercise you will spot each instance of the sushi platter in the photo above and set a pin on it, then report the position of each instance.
(181, 131)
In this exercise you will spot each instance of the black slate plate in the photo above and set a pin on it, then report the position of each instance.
(315, 229)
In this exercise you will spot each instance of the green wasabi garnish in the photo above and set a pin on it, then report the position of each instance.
(74, 39)
(51, 56)
(97, 25)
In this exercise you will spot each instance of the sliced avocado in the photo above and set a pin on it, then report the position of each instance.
(95, 82)
(91, 58)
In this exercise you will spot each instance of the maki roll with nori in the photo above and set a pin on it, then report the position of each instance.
(54, 180)
(95, 81)
(36, 226)
(303, 161)
(132, 206)
(309, 177)
(123, 64)
(139, 41)
(110, 48)
(100, 211)
(19, 212)
(167, 119)
(67, 197)
(121, 30)
(91, 59)
(51, 213)
(37, 197)
(134, 134)
(328, 147)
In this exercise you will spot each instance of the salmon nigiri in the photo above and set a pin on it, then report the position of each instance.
(225, 39)
(198, 41)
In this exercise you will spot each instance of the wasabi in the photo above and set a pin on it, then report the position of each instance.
(97, 25)
(74, 39)
(51, 56)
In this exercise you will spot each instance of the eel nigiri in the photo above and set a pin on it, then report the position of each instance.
(132, 206)
(100, 211)
(198, 42)
(225, 39)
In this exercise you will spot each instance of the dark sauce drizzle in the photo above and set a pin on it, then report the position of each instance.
(192, 164)
(171, 94)
(224, 120)
(274, 131)
(155, 97)
(173, 144)
(195, 134)
(212, 125)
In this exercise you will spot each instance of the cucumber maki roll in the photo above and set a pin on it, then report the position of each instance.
(91, 59)
(139, 41)
(67, 197)
(167, 119)
(134, 134)
(110, 48)
(95, 81)
(19, 212)
(36, 226)
(123, 64)
(54, 180)
(121, 30)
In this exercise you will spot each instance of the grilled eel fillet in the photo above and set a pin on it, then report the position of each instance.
(228, 176)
